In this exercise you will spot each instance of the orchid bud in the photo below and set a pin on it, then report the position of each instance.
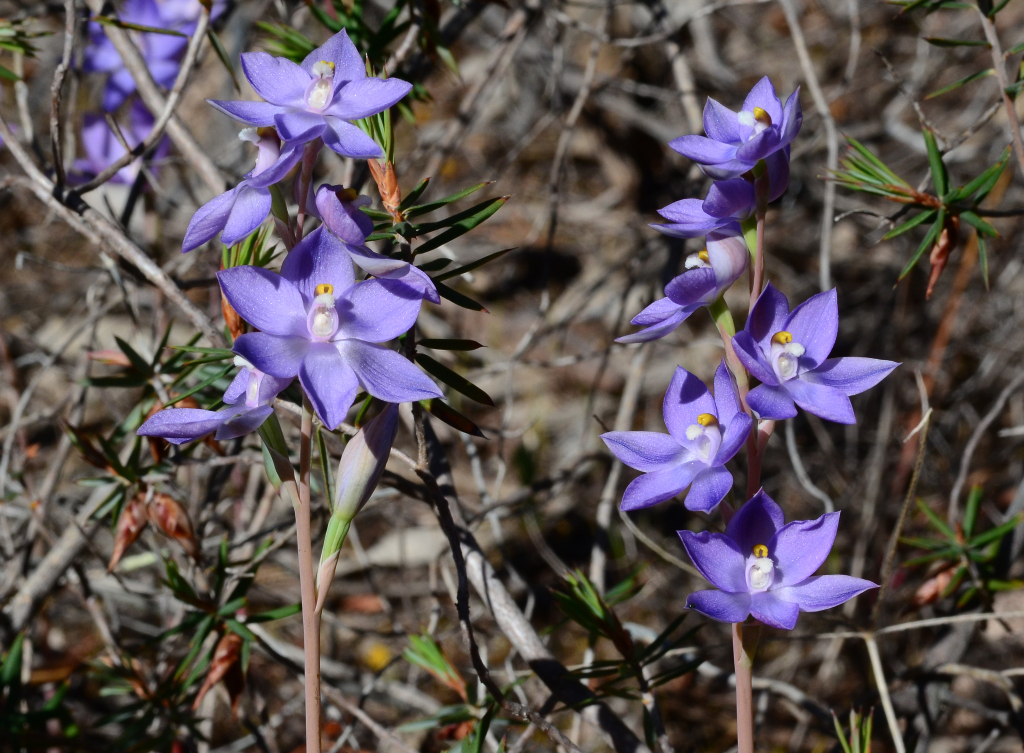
(129, 526)
(361, 466)
(170, 517)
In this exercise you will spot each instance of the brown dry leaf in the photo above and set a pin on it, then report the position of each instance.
(932, 589)
(362, 604)
(225, 656)
(231, 318)
(112, 357)
(948, 239)
(387, 184)
(129, 526)
(170, 517)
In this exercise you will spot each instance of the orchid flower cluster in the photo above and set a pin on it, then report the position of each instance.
(761, 566)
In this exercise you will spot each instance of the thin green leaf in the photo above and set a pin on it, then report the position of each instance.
(275, 614)
(222, 55)
(910, 224)
(921, 543)
(454, 380)
(926, 243)
(458, 298)
(979, 224)
(950, 553)
(939, 175)
(938, 523)
(413, 195)
(957, 84)
(473, 265)
(416, 211)
(436, 265)
(10, 670)
(987, 178)
(941, 42)
(870, 157)
(325, 465)
(444, 412)
(9, 74)
(202, 385)
(994, 534)
(983, 257)
(1014, 50)
(453, 344)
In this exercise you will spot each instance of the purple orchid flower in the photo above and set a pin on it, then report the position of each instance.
(765, 567)
(162, 52)
(708, 275)
(735, 142)
(728, 201)
(705, 432)
(317, 322)
(249, 399)
(318, 97)
(788, 353)
(103, 148)
(348, 227)
(238, 212)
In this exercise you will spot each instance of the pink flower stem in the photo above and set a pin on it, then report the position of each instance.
(309, 154)
(743, 646)
(743, 660)
(307, 585)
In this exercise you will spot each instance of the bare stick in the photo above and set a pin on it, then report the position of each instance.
(623, 421)
(157, 132)
(59, 75)
(972, 444)
(831, 136)
(102, 231)
(151, 95)
(883, 693)
(894, 539)
(999, 66)
(801, 472)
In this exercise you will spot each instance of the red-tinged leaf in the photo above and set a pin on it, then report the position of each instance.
(444, 412)
(85, 446)
(932, 589)
(110, 357)
(129, 526)
(170, 517)
(225, 656)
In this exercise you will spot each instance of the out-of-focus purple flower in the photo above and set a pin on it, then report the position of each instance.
(788, 353)
(729, 201)
(249, 402)
(765, 567)
(242, 209)
(348, 227)
(317, 322)
(162, 52)
(182, 15)
(318, 97)
(705, 432)
(708, 275)
(735, 142)
(103, 148)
